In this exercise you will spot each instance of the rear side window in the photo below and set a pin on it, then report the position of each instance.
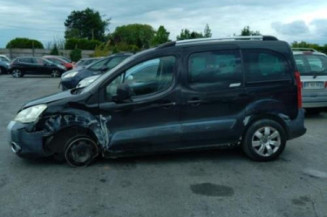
(214, 70)
(311, 64)
(264, 65)
(26, 60)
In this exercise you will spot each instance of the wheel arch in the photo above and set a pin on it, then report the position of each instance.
(279, 118)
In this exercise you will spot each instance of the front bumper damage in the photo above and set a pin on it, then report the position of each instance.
(34, 139)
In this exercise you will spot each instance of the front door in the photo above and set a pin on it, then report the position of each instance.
(149, 121)
(213, 97)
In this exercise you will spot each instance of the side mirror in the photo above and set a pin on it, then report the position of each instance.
(124, 93)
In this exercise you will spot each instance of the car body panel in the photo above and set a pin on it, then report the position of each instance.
(178, 117)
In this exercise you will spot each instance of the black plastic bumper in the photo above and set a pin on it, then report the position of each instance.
(296, 126)
(24, 143)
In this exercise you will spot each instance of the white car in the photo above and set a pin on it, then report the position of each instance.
(312, 66)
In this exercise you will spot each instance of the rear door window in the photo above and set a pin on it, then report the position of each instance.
(214, 70)
(26, 60)
(265, 65)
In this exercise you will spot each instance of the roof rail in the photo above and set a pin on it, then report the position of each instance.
(303, 49)
(235, 38)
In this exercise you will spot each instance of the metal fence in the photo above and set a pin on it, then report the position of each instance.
(16, 52)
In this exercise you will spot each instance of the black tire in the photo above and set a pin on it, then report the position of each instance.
(55, 73)
(264, 140)
(2, 70)
(17, 73)
(313, 111)
(80, 150)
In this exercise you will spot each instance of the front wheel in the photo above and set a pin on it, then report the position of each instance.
(17, 73)
(81, 150)
(264, 140)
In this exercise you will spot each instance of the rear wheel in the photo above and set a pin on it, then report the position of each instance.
(2, 70)
(17, 73)
(264, 140)
(55, 73)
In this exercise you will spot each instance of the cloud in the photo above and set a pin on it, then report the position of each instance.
(292, 20)
(320, 27)
(294, 28)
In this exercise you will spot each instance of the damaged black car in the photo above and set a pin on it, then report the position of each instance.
(184, 95)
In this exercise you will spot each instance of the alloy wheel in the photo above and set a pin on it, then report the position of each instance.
(266, 141)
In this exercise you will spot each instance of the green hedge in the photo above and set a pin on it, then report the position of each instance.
(83, 44)
(24, 43)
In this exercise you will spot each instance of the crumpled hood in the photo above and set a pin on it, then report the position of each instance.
(50, 98)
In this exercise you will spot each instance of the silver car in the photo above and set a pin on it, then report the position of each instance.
(312, 66)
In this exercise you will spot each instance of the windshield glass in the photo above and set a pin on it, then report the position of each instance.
(311, 64)
(105, 75)
(97, 65)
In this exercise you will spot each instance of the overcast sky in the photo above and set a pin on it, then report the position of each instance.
(288, 20)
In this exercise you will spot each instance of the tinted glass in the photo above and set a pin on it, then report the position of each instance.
(98, 65)
(215, 70)
(311, 64)
(145, 78)
(263, 65)
(114, 62)
(26, 60)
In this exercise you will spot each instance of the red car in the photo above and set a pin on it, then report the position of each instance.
(60, 60)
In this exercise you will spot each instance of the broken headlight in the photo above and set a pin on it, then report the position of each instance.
(30, 114)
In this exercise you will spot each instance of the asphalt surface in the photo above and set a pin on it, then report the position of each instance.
(211, 183)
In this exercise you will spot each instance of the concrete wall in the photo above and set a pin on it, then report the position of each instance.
(13, 53)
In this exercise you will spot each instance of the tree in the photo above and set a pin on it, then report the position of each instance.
(24, 43)
(87, 24)
(247, 32)
(186, 34)
(139, 36)
(161, 36)
(83, 44)
(304, 44)
(75, 55)
(54, 50)
(207, 31)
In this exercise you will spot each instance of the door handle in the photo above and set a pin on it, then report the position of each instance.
(167, 105)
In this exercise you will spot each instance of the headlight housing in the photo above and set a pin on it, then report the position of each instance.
(87, 81)
(30, 114)
(69, 74)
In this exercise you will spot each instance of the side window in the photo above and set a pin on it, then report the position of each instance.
(210, 71)
(263, 65)
(26, 60)
(149, 77)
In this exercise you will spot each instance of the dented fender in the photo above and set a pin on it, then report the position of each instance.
(97, 124)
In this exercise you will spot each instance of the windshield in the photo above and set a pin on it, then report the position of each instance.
(311, 64)
(105, 75)
(97, 65)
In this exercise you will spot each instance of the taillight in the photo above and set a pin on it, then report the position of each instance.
(299, 89)
(325, 84)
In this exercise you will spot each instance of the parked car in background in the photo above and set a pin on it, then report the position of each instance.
(195, 95)
(82, 63)
(60, 60)
(4, 64)
(36, 66)
(312, 66)
(71, 78)
(4, 58)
